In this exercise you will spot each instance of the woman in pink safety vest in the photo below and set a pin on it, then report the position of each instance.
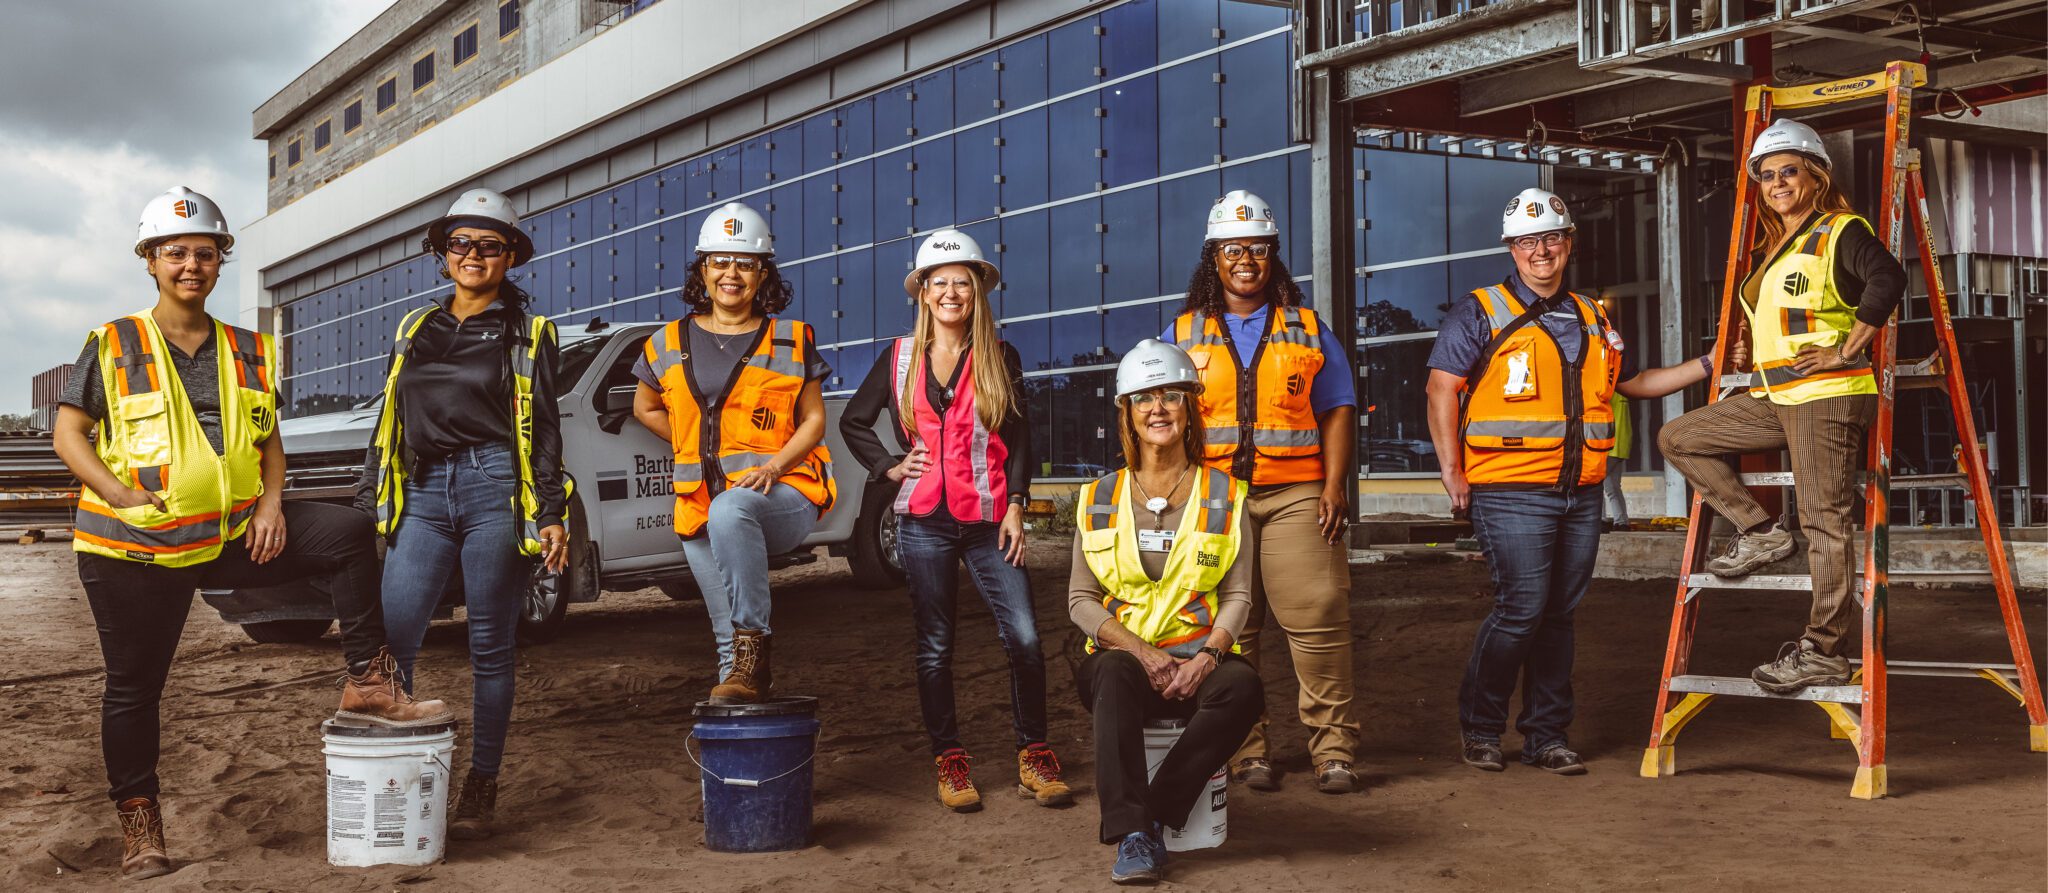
(954, 400)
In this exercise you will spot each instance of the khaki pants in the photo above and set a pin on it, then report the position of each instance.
(1306, 584)
(1825, 440)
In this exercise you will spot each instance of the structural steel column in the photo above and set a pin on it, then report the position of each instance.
(1674, 227)
(1335, 223)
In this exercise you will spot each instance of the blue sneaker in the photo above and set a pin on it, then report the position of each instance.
(1137, 862)
(1158, 840)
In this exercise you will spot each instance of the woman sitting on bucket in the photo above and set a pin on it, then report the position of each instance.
(1159, 590)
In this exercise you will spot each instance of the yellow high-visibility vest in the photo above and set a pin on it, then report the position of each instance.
(1177, 611)
(1797, 306)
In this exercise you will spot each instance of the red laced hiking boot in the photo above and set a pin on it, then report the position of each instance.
(1038, 776)
(956, 790)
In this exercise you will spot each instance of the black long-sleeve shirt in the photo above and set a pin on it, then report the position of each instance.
(1867, 276)
(455, 392)
(857, 421)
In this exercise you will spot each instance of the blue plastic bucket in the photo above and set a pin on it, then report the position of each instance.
(756, 767)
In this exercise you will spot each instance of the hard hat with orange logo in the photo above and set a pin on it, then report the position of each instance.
(1532, 212)
(949, 246)
(181, 212)
(1241, 215)
(735, 229)
(484, 209)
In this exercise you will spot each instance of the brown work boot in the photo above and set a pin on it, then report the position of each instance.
(476, 809)
(1255, 773)
(1038, 776)
(142, 840)
(1336, 777)
(752, 678)
(956, 790)
(375, 696)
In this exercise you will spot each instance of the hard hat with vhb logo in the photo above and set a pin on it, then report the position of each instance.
(1153, 363)
(484, 209)
(1787, 135)
(181, 212)
(1241, 215)
(735, 228)
(1534, 211)
(950, 246)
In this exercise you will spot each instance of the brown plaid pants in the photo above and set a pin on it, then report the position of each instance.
(1825, 440)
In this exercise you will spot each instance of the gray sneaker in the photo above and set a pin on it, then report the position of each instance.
(1798, 666)
(1750, 551)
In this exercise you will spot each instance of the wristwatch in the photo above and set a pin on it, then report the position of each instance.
(1216, 653)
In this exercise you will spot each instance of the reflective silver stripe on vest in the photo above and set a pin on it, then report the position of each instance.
(978, 460)
(1284, 437)
(1289, 329)
(778, 365)
(1784, 375)
(734, 463)
(905, 352)
(135, 354)
(1200, 340)
(1509, 428)
(1102, 501)
(1499, 310)
(151, 477)
(185, 535)
(1599, 430)
(1219, 436)
(690, 473)
(1218, 493)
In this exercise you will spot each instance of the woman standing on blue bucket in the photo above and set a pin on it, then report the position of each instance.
(951, 389)
(480, 488)
(736, 393)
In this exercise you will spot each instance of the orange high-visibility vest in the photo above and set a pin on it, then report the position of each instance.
(1259, 427)
(1532, 421)
(751, 421)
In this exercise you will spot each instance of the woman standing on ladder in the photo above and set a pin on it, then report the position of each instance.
(952, 393)
(466, 470)
(736, 394)
(1278, 405)
(1810, 313)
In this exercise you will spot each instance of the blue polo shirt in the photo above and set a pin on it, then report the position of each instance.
(1465, 330)
(1332, 386)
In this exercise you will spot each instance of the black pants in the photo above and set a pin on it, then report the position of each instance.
(140, 611)
(1114, 688)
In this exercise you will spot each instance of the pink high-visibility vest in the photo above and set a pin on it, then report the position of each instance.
(967, 458)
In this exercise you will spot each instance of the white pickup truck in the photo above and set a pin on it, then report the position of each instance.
(621, 519)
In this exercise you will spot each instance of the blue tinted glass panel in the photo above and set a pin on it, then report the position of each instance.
(1474, 272)
(1033, 340)
(974, 89)
(1478, 189)
(1242, 19)
(1255, 89)
(754, 167)
(1075, 135)
(933, 184)
(1023, 77)
(672, 190)
(1408, 299)
(1397, 430)
(1299, 235)
(821, 140)
(785, 209)
(1037, 397)
(893, 310)
(1126, 326)
(892, 195)
(727, 178)
(1026, 256)
(1025, 159)
(541, 229)
(856, 293)
(1072, 51)
(1404, 201)
(821, 204)
(894, 118)
(1130, 39)
(1076, 253)
(786, 152)
(1183, 209)
(702, 186)
(1186, 27)
(1188, 136)
(816, 297)
(856, 128)
(581, 214)
(932, 110)
(1267, 179)
(851, 365)
(1077, 339)
(1131, 246)
(672, 252)
(1130, 133)
(976, 163)
(857, 203)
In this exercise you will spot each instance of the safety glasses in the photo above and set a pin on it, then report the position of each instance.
(178, 254)
(1531, 243)
(1145, 399)
(1788, 172)
(739, 262)
(461, 246)
(1235, 252)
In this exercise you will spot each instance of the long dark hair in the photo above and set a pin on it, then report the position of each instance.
(1205, 288)
(774, 294)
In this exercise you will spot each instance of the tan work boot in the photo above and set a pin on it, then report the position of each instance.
(956, 790)
(752, 677)
(1038, 776)
(142, 840)
(476, 809)
(376, 696)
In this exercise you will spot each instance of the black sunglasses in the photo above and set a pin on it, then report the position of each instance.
(460, 246)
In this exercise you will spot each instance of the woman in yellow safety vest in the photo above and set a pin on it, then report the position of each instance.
(736, 393)
(1822, 288)
(1279, 405)
(169, 420)
(466, 470)
(1161, 585)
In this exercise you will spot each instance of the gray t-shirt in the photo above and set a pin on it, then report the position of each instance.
(713, 358)
(199, 373)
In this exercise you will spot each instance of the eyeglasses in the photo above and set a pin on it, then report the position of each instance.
(1531, 243)
(1788, 172)
(1234, 252)
(945, 284)
(738, 262)
(460, 246)
(1145, 399)
(179, 254)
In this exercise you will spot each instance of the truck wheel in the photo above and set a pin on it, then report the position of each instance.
(548, 595)
(682, 589)
(874, 560)
(286, 632)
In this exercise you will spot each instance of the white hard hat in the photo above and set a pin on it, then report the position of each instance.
(486, 208)
(1155, 364)
(1534, 211)
(735, 228)
(950, 246)
(1787, 135)
(181, 212)
(1241, 215)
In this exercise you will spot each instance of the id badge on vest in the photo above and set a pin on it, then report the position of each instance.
(1155, 540)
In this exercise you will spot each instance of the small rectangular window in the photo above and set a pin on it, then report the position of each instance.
(273, 167)
(465, 45)
(387, 94)
(323, 135)
(423, 71)
(508, 18)
(352, 117)
(293, 154)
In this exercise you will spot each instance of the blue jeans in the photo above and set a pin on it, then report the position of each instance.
(932, 550)
(729, 557)
(1541, 546)
(459, 510)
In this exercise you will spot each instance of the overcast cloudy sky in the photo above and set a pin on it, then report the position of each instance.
(108, 103)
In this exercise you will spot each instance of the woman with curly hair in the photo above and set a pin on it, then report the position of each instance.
(1278, 406)
(736, 393)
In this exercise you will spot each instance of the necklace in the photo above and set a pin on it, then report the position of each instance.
(1157, 505)
(725, 342)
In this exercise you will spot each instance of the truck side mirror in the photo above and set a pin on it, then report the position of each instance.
(616, 408)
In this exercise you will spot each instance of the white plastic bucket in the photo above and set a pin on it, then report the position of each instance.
(1208, 823)
(387, 793)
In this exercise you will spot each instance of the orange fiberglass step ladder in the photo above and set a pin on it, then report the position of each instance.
(1856, 711)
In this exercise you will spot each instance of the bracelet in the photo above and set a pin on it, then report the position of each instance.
(1707, 364)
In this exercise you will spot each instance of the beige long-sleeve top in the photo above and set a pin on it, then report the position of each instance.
(1233, 595)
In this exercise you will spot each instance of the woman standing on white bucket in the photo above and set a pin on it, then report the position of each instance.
(1159, 588)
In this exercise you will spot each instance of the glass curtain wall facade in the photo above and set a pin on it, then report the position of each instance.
(1085, 157)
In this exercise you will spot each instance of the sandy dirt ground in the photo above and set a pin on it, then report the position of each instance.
(599, 795)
